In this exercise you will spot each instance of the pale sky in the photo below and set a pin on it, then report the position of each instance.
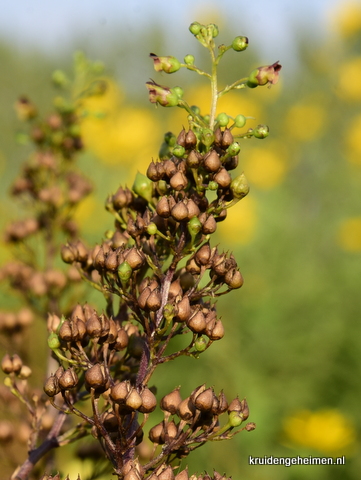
(50, 24)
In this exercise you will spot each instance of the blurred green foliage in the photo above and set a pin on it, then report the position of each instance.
(292, 333)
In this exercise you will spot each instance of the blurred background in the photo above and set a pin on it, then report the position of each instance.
(293, 339)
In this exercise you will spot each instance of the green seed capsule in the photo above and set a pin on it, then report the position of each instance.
(189, 59)
(195, 28)
(240, 43)
(240, 121)
(222, 119)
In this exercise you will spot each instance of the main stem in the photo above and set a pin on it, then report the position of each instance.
(214, 90)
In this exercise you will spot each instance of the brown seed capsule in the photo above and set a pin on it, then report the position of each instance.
(194, 159)
(197, 323)
(154, 301)
(217, 331)
(99, 260)
(183, 310)
(111, 261)
(170, 168)
(193, 209)
(250, 426)
(223, 404)
(181, 138)
(209, 226)
(7, 364)
(122, 340)
(163, 208)
(122, 198)
(78, 313)
(233, 278)
(156, 433)
(192, 267)
(135, 258)
(143, 297)
(66, 331)
(69, 379)
(186, 410)
(227, 138)
(166, 474)
(67, 254)
(170, 431)
(17, 363)
(95, 377)
(82, 252)
(203, 254)
(235, 406)
(178, 181)
(183, 475)
(212, 162)
(149, 402)
(94, 326)
(119, 239)
(179, 212)
(204, 400)
(119, 391)
(223, 178)
(190, 140)
(175, 290)
(133, 400)
(51, 387)
(171, 401)
(152, 172)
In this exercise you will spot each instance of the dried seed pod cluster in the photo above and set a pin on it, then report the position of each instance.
(157, 269)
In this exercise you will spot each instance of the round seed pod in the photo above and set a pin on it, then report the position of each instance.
(170, 431)
(183, 310)
(51, 387)
(149, 402)
(190, 140)
(154, 301)
(135, 258)
(171, 401)
(203, 254)
(175, 290)
(212, 162)
(227, 138)
(95, 377)
(166, 474)
(178, 181)
(233, 278)
(111, 261)
(133, 400)
(179, 212)
(156, 433)
(121, 341)
(119, 391)
(163, 208)
(197, 323)
(17, 363)
(217, 331)
(209, 226)
(193, 209)
(223, 178)
(204, 401)
(7, 364)
(194, 159)
(186, 410)
(69, 379)
(170, 168)
(143, 297)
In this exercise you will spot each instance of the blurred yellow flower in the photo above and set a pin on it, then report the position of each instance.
(327, 431)
(353, 141)
(349, 84)
(305, 121)
(265, 166)
(116, 133)
(240, 226)
(346, 18)
(349, 234)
